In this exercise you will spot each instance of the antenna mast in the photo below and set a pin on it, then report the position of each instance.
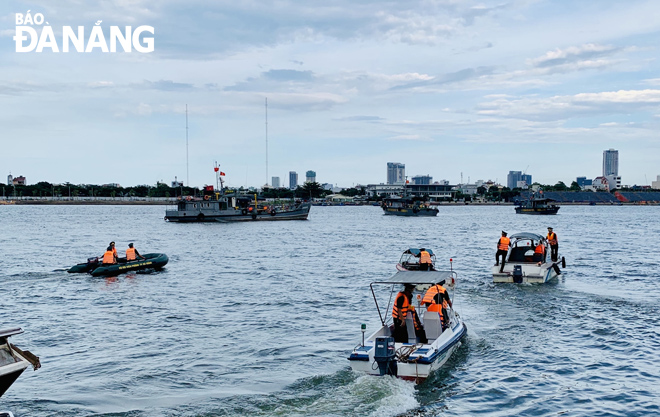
(187, 169)
(266, 140)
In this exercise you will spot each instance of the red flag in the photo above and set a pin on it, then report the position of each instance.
(222, 174)
(407, 182)
(216, 169)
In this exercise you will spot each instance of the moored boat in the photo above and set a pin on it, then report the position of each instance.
(416, 358)
(154, 261)
(13, 361)
(523, 264)
(406, 206)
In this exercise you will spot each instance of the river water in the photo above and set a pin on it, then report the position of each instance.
(257, 319)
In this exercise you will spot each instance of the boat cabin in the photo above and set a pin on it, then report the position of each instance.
(523, 247)
(410, 260)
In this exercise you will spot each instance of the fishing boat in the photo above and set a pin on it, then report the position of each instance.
(151, 261)
(406, 206)
(415, 359)
(537, 204)
(410, 260)
(523, 265)
(13, 361)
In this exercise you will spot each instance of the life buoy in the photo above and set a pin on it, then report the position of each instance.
(206, 197)
(244, 212)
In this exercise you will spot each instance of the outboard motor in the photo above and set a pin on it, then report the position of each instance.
(517, 274)
(385, 355)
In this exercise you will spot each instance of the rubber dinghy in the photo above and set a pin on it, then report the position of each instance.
(415, 359)
(152, 261)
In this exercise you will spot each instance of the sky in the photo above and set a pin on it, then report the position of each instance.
(460, 90)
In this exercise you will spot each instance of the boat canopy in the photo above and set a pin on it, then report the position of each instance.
(415, 251)
(526, 235)
(418, 277)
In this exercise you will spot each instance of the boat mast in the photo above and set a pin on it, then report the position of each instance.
(187, 169)
(266, 140)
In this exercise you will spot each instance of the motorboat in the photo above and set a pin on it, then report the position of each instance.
(410, 260)
(523, 265)
(537, 204)
(13, 361)
(415, 359)
(406, 206)
(151, 261)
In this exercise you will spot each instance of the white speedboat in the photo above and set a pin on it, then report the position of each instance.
(414, 360)
(410, 260)
(13, 360)
(524, 265)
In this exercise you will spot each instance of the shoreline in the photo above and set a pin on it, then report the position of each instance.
(164, 202)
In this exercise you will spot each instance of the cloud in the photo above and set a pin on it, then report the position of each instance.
(360, 119)
(413, 138)
(164, 85)
(571, 106)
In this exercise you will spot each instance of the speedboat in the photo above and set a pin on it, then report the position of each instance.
(523, 265)
(154, 261)
(410, 260)
(414, 360)
(13, 361)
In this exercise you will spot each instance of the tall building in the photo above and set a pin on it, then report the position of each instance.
(310, 176)
(516, 179)
(293, 180)
(422, 180)
(396, 173)
(610, 162)
(275, 182)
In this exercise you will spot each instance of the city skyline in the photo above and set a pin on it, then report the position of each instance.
(472, 89)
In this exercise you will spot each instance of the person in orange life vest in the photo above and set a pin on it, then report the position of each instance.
(502, 248)
(430, 294)
(402, 307)
(110, 255)
(425, 262)
(539, 253)
(438, 306)
(554, 244)
(132, 253)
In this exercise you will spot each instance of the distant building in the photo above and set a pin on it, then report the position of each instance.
(656, 184)
(10, 179)
(176, 183)
(293, 179)
(396, 173)
(583, 182)
(422, 180)
(435, 192)
(20, 180)
(515, 179)
(111, 185)
(610, 162)
(614, 182)
(327, 186)
(275, 181)
(310, 176)
(601, 183)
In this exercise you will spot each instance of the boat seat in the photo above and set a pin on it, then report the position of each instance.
(432, 324)
(410, 326)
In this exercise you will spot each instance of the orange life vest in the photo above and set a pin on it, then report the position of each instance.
(108, 257)
(435, 308)
(504, 243)
(430, 294)
(424, 257)
(401, 314)
(130, 254)
(540, 249)
(552, 238)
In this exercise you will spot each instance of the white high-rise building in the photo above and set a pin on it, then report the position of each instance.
(275, 182)
(293, 180)
(396, 173)
(610, 163)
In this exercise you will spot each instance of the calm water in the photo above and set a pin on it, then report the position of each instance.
(257, 319)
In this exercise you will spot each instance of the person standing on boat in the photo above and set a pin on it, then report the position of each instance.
(132, 253)
(502, 249)
(403, 306)
(539, 252)
(438, 288)
(554, 244)
(110, 255)
(425, 262)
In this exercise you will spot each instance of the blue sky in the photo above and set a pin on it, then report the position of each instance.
(446, 87)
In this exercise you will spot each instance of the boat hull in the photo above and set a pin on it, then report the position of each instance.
(8, 378)
(536, 210)
(152, 261)
(409, 212)
(425, 359)
(531, 272)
